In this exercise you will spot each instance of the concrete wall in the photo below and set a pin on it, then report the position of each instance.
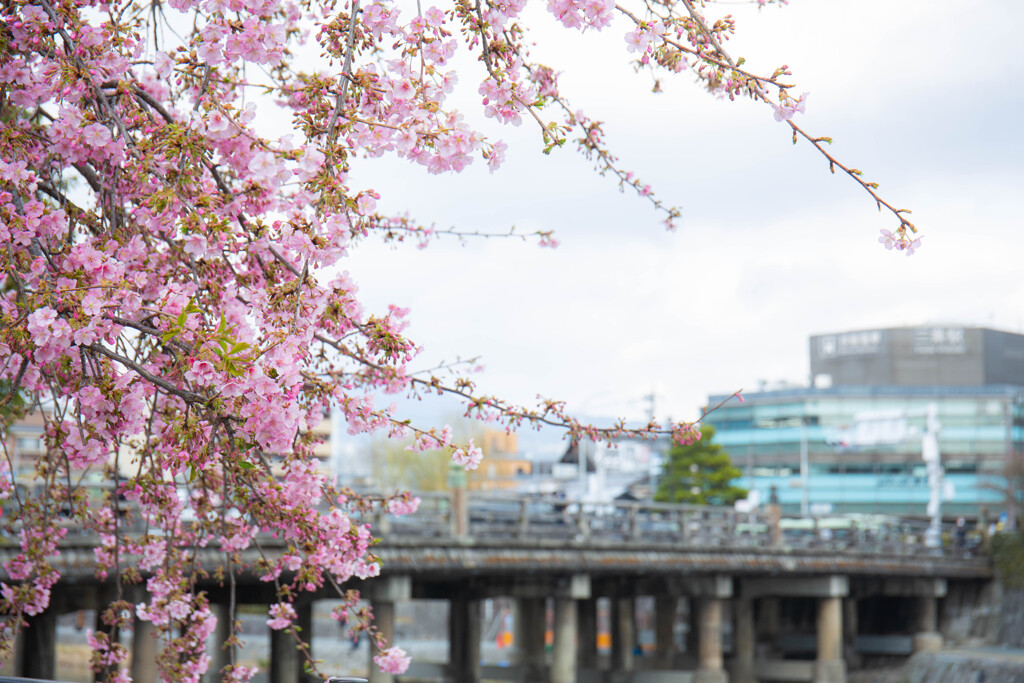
(1011, 631)
(971, 613)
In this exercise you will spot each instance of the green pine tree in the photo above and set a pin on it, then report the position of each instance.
(700, 473)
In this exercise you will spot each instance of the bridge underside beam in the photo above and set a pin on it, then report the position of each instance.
(797, 586)
(907, 587)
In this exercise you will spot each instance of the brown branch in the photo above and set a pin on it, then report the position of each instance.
(188, 396)
(797, 130)
(17, 383)
(90, 176)
(147, 329)
(727, 64)
(513, 413)
(853, 173)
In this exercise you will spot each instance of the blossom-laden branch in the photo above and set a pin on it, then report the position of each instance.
(675, 41)
(175, 305)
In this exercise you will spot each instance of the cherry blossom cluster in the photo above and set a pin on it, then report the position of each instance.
(392, 660)
(900, 241)
(679, 36)
(178, 204)
(469, 457)
(789, 106)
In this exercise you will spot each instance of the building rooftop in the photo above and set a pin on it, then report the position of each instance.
(925, 355)
(858, 391)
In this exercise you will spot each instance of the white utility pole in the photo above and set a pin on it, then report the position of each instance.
(933, 463)
(805, 500)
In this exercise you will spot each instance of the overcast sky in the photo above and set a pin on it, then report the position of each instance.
(924, 96)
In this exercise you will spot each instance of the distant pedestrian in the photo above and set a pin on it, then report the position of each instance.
(960, 533)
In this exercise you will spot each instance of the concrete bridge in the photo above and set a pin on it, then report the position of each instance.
(759, 598)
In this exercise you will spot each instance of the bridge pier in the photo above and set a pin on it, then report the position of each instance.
(144, 640)
(829, 666)
(709, 647)
(767, 622)
(710, 593)
(286, 660)
(563, 661)
(623, 632)
(384, 592)
(928, 638)
(744, 641)
(12, 665)
(144, 651)
(569, 591)
(39, 646)
(692, 645)
(220, 656)
(464, 638)
(384, 621)
(850, 655)
(664, 629)
(586, 614)
(531, 623)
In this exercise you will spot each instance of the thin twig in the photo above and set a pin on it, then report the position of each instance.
(346, 76)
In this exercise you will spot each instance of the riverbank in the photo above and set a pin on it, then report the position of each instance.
(966, 665)
(975, 665)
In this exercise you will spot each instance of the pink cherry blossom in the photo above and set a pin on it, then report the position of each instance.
(887, 238)
(468, 457)
(912, 246)
(392, 660)
(282, 615)
(900, 241)
(96, 135)
(788, 107)
(402, 506)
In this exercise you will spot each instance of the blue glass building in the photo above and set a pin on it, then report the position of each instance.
(857, 430)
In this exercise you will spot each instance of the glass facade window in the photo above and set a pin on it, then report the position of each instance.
(864, 444)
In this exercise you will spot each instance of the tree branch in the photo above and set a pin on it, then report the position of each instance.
(185, 395)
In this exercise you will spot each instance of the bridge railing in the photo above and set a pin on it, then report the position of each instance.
(494, 517)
